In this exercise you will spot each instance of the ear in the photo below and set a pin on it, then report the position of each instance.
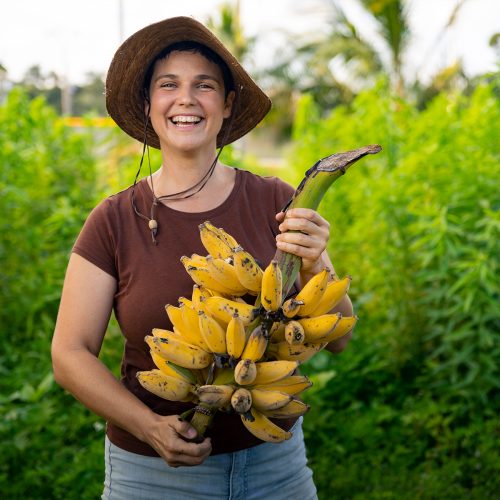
(228, 105)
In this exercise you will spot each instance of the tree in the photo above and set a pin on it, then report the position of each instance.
(336, 64)
(228, 27)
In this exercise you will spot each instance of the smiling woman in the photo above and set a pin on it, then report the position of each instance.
(174, 86)
(187, 103)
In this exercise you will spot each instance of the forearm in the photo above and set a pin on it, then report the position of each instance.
(92, 383)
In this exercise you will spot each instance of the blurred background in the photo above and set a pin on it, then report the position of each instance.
(410, 409)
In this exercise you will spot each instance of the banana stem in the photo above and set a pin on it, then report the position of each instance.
(309, 194)
(201, 419)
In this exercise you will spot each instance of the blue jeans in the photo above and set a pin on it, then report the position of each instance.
(270, 470)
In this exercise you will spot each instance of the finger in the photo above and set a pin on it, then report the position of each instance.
(176, 460)
(299, 250)
(178, 448)
(305, 213)
(182, 447)
(316, 242)
(280, 216)
(184, 429)
(304, 226)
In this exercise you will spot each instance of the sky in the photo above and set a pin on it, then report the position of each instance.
(76, 37)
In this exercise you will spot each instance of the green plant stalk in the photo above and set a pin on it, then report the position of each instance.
(309, 194)
(201, 420)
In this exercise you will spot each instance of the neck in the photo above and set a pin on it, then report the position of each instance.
(181, 173)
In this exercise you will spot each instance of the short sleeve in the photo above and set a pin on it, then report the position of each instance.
(96, 242)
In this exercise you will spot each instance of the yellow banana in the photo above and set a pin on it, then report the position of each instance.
(179, 352)
(191, 332)
(312, 292)
(272, 371)
(241, 400)
(203, 277)
(184, 301)
(318, 327)
(344, 326)
(236, 337)
(294, 408)
(225, 273)
(174, 370)
(223, 235)
(213, 334)
(200, 293)
(271, 289)
(293, 384)
(294, 332)
(261, 427)
(175, 316)
(256, 345)
(298, 352)
(277, 333)
(216, 245)
(215, 395)
(195, 260)
(166, 334)
(291, 307)
(334, 292)
(248, 271)
(269, 400)
(223, 309)
(165, 386)
(245, 372)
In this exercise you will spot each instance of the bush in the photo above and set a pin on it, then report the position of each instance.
(47, 186)
(418, 228)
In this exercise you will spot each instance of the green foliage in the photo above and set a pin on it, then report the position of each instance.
(46, 185)
(417, 226)
(407, 411)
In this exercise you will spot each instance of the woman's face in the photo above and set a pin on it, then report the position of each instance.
(187, 102)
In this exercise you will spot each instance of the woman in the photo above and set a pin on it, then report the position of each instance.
(174, 86)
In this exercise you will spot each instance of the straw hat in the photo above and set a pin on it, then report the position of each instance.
(125, 80)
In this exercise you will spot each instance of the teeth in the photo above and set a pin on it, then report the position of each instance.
(186, 119)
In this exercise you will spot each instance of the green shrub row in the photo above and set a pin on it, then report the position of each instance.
(409, 410)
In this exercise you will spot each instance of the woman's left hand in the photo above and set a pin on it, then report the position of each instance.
(304, 233)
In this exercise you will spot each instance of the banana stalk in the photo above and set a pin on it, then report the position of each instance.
(309, 194)
(203, 414)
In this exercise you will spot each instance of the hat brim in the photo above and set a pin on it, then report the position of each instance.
(125, 80)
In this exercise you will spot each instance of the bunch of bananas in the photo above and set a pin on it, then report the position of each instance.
(235, 345)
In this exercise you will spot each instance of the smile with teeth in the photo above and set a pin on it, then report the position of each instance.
(183, 120)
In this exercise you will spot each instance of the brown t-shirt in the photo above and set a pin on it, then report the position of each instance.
(150, 276)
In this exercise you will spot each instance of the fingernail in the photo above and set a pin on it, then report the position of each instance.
(191, 433)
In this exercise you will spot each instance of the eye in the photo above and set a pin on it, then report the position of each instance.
(205, 86)
(168, 85)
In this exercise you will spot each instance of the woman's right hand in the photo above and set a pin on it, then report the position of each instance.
(172, 437)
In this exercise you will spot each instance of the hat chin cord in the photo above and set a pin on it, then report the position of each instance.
(181, 195)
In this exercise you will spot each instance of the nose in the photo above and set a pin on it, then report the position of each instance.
(186, 95)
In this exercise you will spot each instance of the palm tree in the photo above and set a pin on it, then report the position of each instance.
(228, 27)
(333, 67)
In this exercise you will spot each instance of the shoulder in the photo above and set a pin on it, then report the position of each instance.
(112, 205)
(268, 183)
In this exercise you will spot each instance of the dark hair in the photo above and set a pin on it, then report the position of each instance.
(195, 47)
